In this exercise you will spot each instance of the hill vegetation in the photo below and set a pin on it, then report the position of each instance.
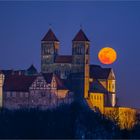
(67, 121)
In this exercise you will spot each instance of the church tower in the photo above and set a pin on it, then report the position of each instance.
(49, 50)
(81, 58)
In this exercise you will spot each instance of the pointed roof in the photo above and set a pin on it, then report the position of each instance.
(80, 36)
(50, 36)
(32, 68)
(97, 87)
(97, 72)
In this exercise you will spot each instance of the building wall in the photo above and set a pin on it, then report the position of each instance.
(124, 116)
(1, 89)
(40, 94)
(49, 50)
(36, 99)
(127, 117)
(97, 100)
(15, 100)
(62, 69)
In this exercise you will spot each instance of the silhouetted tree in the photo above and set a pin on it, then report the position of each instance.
(66, 121)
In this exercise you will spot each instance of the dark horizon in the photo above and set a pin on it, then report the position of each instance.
(24, 24)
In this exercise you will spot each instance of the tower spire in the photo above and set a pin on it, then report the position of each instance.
(50, 36)
(80, 36)
(81, 26)
(50, 26)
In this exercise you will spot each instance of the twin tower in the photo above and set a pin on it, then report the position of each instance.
(64, 65)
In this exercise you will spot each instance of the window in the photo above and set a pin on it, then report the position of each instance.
(14, 94)
(8, 94)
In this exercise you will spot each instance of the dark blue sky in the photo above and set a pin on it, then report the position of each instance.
(23, 25)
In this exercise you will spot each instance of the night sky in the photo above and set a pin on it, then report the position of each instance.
(115, 24)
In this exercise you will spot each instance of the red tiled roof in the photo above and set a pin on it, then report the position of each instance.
(18, 82)
(80, 36)
(63, 59)
(50, 36)
(21, 83)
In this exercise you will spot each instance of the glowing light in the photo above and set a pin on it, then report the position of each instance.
(107, 55)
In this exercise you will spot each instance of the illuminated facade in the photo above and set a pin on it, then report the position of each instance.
(65, 78)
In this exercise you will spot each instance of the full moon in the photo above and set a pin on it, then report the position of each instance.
(107, 55)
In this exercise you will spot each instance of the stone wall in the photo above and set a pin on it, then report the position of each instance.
(36, 99)
(124, 116)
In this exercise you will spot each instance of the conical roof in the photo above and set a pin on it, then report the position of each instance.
(50, 36)
(80, 36)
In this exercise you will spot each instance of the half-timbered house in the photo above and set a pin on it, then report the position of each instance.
(35, 91)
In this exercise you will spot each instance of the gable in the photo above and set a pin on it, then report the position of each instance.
(111, 75)
(39, 83)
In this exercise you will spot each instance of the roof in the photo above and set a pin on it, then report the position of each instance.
(21, 83)
(60, 84)
(32, 68)
(7, 72)
(18, 82)
(48, 77)
(80, 36)
(97, 72)
(97, 87)
(63, 59)
(50, 36)
(12, 72)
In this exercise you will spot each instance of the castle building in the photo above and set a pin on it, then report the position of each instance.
(63, 79)
(73, 72)
(29, 89)
(78, 63)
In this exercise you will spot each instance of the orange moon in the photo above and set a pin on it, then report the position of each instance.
(107, 55)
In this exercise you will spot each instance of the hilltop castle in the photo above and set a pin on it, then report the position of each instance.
(63, 78)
